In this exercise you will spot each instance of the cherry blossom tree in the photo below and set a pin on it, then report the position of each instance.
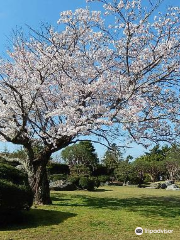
(118, 68)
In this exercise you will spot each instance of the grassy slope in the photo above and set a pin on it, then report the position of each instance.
(108, 213)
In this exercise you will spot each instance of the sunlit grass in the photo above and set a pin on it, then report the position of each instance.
(108, 213)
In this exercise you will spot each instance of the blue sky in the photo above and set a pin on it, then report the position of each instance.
(18, 13)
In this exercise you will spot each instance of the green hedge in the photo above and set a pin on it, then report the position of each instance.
(58, 168)
(11, 174)
(14, 197)
(56, 177)
(15, 193)
(84, 182)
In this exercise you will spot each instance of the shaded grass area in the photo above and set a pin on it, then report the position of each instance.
(109, 213)
(36, 218)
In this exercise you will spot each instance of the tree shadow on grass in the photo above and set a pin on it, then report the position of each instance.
(34, 218)
(167, 207)
(103, 190)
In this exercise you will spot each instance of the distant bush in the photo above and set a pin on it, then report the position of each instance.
(58, 168)
(56, 177)
(87, 183)
(100, 170)
(74, 179)
(96, 181)
(84, 182)
(163, 186)
(80, 170)
(104, 178)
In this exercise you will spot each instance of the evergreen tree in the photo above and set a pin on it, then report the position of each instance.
(83, 154)
(112, 157)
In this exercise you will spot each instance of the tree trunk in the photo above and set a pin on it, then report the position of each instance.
(39, 183)
(152, 177)
(171, 175)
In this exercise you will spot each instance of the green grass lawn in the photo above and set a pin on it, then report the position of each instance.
(105, 214)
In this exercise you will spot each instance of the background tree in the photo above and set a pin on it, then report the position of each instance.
(151, 163)
(155, 162)
(172, 162)
(155, 170)
(93, 73)
(140, 168)
(111, 158)
(158, 153)
(83, 154)
(124, 172)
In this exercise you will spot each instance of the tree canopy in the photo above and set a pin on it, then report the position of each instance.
(82, 153)
(112, 157)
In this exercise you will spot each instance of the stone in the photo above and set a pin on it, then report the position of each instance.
(173, 187)
(169, 182)
(163, 186)
(62, 185)
(20, 167)
(116, 183)
(107, 183)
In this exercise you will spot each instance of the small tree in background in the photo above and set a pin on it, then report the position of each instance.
(111, 158)
(81, 157)
(172, 162)
(151, 163)
(123, 172)
(140, 167)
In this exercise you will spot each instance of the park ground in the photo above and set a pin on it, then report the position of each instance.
(109, 213)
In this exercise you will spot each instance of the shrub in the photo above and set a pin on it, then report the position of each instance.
(147, 178)
(96, 181)
(14, 197)
(57, 168)
(100, 170)
(87, 183)
(163, 186)
(15, 193)
(10, 173)
(56, 177)
(80, 170)
(104, 178)
(74, 179)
